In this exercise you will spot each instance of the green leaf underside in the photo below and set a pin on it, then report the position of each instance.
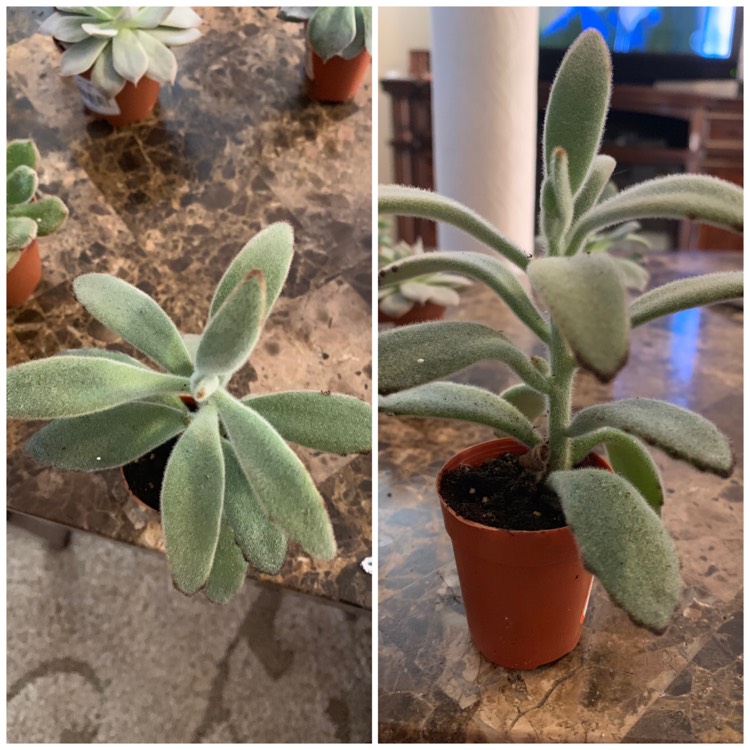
(529, 402)
(464, 402)
(233, 332)
(192, 497)
(283, 486)
(484, 268)
(48, 213)
(229, 569)
(677, 431)
(628, 457)
(330, 422)
(59, 387)
(683, 294)
(263, 544)
(106, 439)
(577, 107)
(270, 251)
(331, 30)
(599, 175)
(586, 299)
(136, 317)
(622, 542)
(416, 354)
(410, 201)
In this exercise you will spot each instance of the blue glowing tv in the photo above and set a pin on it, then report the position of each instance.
(648, 43)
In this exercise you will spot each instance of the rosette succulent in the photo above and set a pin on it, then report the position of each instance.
(26, 217)
(334, 32)
(121, 44)
(584, 320)
(233, 491)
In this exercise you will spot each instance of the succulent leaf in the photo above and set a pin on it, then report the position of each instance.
(106, 439)
(21, 185)
(602, 167)
(136, 317)
(331, 30)
(128, 56)
(162, 64)
(182, 17)
(466, 402)
(105, 354)
(359, 42)
(192, 498)
(104, 75)
(367, 19)
(21, 232)
(586, 299)
(48, 213)
(151, 17)
(633, 276)
(229, 569)
(557, 201)
(65, 28)
(176, 37)
(81, 57)
(529, 402)
(330, 422)
(21, 153)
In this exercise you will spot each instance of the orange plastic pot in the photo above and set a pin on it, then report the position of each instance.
(525, 592)
(135, 101)
(337, 80)
(420, 313)
(24, 277)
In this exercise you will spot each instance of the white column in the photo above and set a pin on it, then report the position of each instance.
(484, 99)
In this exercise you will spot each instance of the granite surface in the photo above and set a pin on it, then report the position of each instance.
(621, 683)
(165, 204)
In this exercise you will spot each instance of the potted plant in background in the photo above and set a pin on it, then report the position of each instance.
(338, 51)
(27, 218)
(548, 512)
(119, 57)
(231, 490)
(417, 299)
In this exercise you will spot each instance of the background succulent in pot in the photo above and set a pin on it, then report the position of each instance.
(121, 44)
(614, 517)
(233, 490)
(26, 217)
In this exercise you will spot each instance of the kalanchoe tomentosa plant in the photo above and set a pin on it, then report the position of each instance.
(233, 490)
(27, 218)
(121, 44)
(337, 31)
(614, 517)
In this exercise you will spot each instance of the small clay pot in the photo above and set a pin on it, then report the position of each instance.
(135, 101)
(24, 277)
(337, 80)
(420, 313)
(525, 592)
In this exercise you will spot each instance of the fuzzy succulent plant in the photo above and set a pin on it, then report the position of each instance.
(613, 516)
(233, 492)
(399, 298)
(121, 44)
(335, 31)
(26, 217)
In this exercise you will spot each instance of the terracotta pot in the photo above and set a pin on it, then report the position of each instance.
(337, 80)
(135, 101)
(24, 277)
(525, 592)
(420, 313)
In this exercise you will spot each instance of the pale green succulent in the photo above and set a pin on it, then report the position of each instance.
(121, 44)
(27, 218)
(342, 31)
(399, 298)
(233, 490)
(587, 324)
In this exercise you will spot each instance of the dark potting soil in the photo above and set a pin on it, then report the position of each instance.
(502, 494)
(145, 475)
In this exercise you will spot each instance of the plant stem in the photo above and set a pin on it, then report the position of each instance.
(560, 402)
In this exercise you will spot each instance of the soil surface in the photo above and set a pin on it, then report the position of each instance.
(145, 475)
(502, 494)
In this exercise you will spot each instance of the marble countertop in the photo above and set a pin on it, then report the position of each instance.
(166, 204)
(621, 683)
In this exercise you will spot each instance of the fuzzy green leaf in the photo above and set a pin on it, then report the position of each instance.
(192, 498)
(593, 186)
(677, 431)
(330, 422)
(698, 197)
(282, 484)
(411, 201)
(416, 354)
(262, 543)
(577, 107)
(484, 268)
(106, 439)
(48, 213)
(683, 294)
(105, 354)
(331, 30)
(270, 251)
(622, 542)
(628, 457)
(633, 275)
(586, 299)
(229, 569)
(466, 402)
(21, 185)
(21, 153)
(529, 402)
(233, 332)
(21, 232)
(557, 201)
(136, 317)
(61, 387)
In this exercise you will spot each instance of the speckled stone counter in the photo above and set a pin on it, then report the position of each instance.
(166, 204)
(621, 683)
